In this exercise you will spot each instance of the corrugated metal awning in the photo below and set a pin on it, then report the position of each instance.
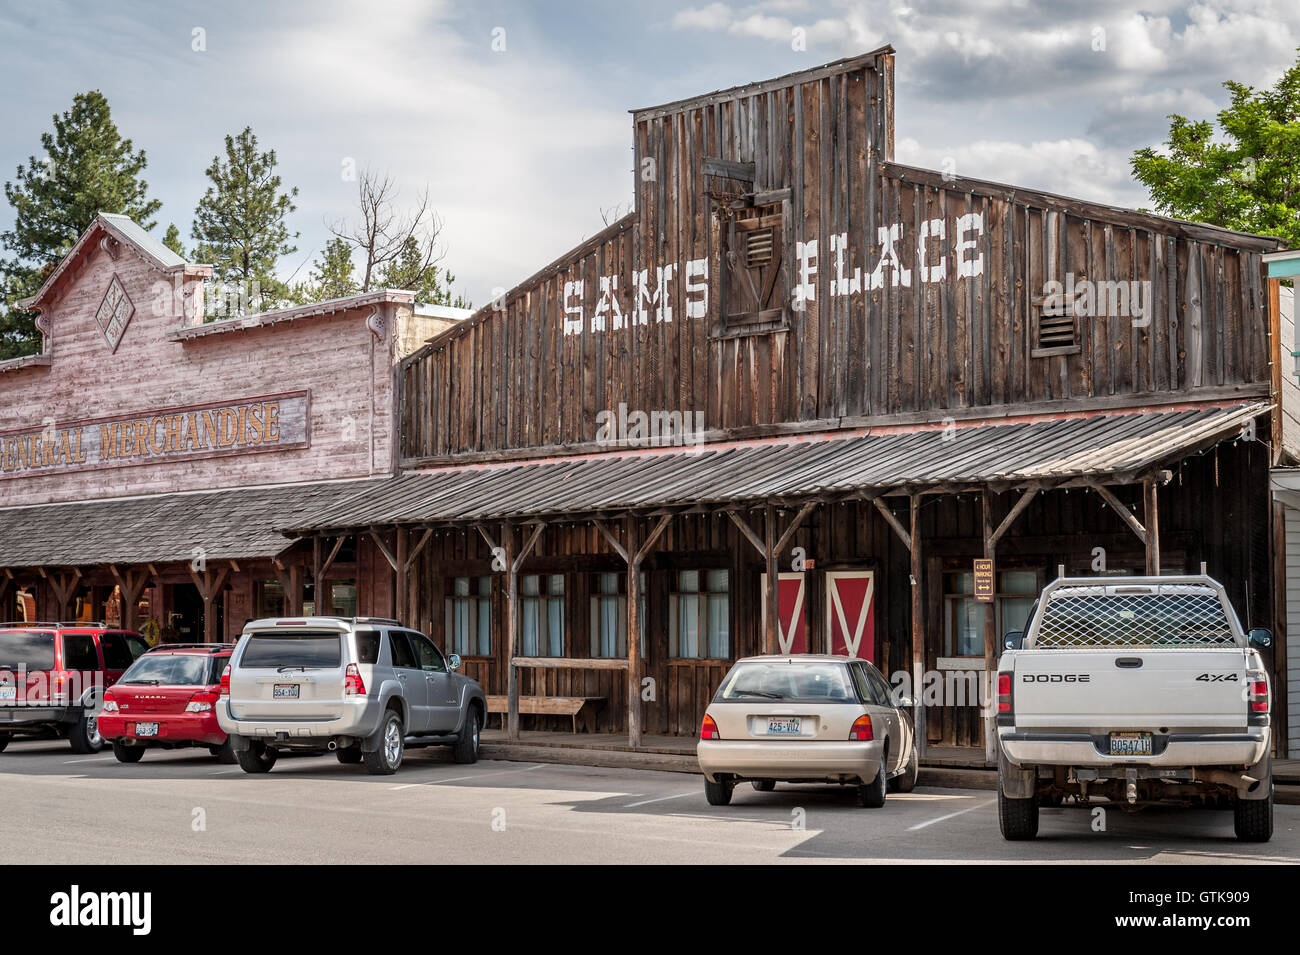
(229, 524)
(1047, 451)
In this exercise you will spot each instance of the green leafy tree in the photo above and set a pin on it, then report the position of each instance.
(86, 168)
(172, 239)
(1245, 177)
(239, 224)
(412, 270)
(331, 276)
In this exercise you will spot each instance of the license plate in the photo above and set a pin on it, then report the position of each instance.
(8, 692)
(784, 727)
(146, 729)
(285, 691)
(1130, 744)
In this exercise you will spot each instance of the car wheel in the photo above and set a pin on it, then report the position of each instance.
(466, 750)
(719, 793)
(1253, 819)
(84, 734)
(348, 755)
(258, 758)
(765, 785)
(225, 753)
(387, 756)
(905, 782)
(1018, 818)
(872, 795)
(127, 754)
(4, 741)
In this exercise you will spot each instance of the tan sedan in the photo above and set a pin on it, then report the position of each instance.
(806, 719)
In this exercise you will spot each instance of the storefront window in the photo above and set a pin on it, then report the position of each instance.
(343, 597)
(609, 616)
(541, 610)
(699, 615)
(964, 615)
(469, 616)
(270, 599)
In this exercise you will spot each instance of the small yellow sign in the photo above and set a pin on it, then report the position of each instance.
(984, 589)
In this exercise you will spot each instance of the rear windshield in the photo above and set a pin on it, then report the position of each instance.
(802, 682)
(120, 649)
(171, 669)
(300, 649)
(33, 650)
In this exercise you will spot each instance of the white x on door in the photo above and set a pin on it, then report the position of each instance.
(850, 612)
(792, 632)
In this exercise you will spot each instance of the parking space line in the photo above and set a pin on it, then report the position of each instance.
(88, 759)
(959, 812)
(646, 802)
(457, 779)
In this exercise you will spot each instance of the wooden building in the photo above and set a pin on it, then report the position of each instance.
(799, 361)
(147, 455)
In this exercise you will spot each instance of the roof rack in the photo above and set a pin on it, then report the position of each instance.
(24, 624)
(210, 647)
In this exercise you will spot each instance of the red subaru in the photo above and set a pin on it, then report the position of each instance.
(167, 700)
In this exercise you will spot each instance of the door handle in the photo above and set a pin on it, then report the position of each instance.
(1128, 663)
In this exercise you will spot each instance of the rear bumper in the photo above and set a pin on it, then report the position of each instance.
(360, 717)
(1174, 750)
(790, 760)
(18, 718)
(172, 728)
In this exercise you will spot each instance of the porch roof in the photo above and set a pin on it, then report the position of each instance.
(1044, 450)
(226, 524)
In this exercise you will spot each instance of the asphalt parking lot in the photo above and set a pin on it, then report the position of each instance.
(185, 807)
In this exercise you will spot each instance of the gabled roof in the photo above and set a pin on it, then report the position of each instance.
(128, 232)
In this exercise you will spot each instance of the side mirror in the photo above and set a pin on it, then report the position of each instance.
(453, 661)
(905, 703)
(1013, 640)
(1260, 637)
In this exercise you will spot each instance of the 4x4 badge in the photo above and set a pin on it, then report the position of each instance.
(114, 313)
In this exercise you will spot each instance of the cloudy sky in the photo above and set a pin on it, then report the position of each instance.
(515, 114)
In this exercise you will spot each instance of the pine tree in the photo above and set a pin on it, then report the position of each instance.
(87, 168)
(240, 223)
(173, 239)
(331, 276)
(413, 271)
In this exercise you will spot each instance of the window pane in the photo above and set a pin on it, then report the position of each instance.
(688, 626)
(485, 627)
(718, 628)
(970, 628)
(528, 584)
(688, 581)
(1014, 612)
(555, 627)
(1018, 582)
(528, 628)
(485, 586)
(717, 580)
(461, 586)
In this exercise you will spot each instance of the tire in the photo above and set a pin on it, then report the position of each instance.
(127, 754)
(258, 758)
(905, 782)
(466, 749)
(225, 753)
(84, 734)
(1018, 818)
(385, 759)
(765, 785)
(348, 755)
(718, 794)
(1252, 819)
(872, 795)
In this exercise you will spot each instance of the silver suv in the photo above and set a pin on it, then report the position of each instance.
(363, 688)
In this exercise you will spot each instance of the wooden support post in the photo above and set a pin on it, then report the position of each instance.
(210, 584)
(515, 557)
(918, 626)
(637, 551)
(990, 634)
(62, 587)
(771, 594)
(131, 583)
(1151, 516)
(1124, 513)
(399, 575)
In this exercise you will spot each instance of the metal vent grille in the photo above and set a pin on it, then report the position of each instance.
(1055, 330)
(1175, 616)
(759, 248)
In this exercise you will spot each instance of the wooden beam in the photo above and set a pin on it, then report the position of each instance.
(334, 552)
(1017, 509)
(512, 631)
(772, 588)
(1275, 366)
(635, 598)
(612, 539)
(483, 532)
(893, 522)
(419, 546)
(794, 525)
(990, 630)
(730, 169)
(527, 548)
(400, 567)
(1124, 513)
(1151, 503)
(652, 539)
(748, 532)
(918, 624)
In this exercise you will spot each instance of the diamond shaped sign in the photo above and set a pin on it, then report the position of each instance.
(114, 314)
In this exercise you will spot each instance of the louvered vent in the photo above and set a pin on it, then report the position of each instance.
(1055, 331)
(759, 247)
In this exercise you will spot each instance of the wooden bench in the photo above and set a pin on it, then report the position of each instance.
(570, 706)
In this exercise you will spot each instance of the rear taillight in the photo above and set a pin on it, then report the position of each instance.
(709, 729)
(224, 689)
(861, 729)
(110, 704)
(1258, 696)
(353, 685)
(201, 702)
(1004, 693)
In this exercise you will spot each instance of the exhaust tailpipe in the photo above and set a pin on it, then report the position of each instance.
(332, 745)
(1238, 781)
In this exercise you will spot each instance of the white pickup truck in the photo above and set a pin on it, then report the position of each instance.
(1138, 690)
